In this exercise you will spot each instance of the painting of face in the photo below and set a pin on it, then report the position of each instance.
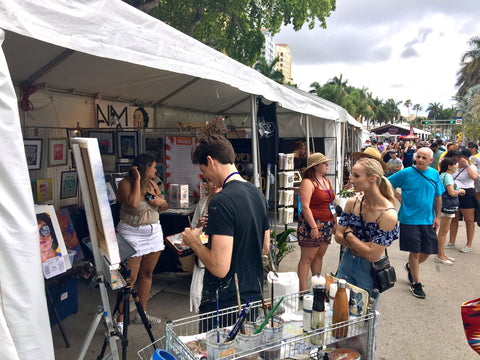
(138, 120)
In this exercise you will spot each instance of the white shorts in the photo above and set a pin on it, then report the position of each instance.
(145, 239)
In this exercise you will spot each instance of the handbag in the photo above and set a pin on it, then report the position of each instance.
(450, 204)
(383, 274)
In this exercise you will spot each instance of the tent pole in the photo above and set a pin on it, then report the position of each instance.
(255, 178)
(307, 125)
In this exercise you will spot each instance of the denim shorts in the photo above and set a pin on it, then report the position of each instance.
(356, 270)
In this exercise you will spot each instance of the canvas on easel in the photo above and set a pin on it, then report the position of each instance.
(54, 254)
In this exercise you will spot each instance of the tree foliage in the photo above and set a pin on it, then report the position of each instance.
(469, 73)
(263, 67)
(234, 26)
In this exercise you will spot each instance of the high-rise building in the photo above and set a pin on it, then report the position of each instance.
(268, 51)
(284, 63)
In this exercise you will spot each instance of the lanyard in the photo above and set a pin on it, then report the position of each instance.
(228, 177)
(326, 187)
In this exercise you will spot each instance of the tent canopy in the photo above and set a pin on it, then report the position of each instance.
(133, 57)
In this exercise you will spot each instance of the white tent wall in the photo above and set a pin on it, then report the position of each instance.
(24, 324)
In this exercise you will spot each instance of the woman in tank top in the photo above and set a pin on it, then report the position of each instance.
(367, 225)
(317, 221)
(139, 224)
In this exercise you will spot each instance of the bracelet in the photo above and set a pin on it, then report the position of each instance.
(346, 233)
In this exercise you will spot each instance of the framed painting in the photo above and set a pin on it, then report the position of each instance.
(127, 144)
(33, 153)
(69, 184)
(105, 141)
(123, 167)
(44, 190)
(116, 178)
(57, 152)
(108, 162)
(155, 146)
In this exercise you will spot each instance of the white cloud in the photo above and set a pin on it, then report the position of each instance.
(397, 49)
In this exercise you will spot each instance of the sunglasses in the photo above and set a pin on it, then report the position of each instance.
(44, 230)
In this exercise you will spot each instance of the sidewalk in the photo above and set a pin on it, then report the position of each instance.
(409, 328)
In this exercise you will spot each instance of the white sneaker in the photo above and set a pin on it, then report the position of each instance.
(119, 326)
(151, 319)
(466, 249)
(450, 246)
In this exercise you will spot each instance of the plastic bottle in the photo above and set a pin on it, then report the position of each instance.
(332, 292)
(340, 309)
(307, 312)
(318, 313)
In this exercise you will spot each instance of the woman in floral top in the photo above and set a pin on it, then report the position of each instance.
(368, 224)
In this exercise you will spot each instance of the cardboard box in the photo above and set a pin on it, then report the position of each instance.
(178, 193)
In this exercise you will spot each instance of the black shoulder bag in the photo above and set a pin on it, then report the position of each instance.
(383, 273)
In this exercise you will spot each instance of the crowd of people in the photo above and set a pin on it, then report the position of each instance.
(419, 173)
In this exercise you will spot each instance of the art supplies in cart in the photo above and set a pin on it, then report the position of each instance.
(358, 296)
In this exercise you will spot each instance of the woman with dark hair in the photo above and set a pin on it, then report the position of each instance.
(48, 240)
(140, 118)
(317, 221)
(140, 200)
(465, 177)
(448, 167)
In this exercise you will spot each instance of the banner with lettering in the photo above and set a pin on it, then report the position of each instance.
(180, 169)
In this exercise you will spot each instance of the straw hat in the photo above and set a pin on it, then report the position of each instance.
(370, 152)
(315, 159)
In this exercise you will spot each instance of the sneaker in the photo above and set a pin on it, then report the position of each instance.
(466, 249)
(417, 290)
(441, 261)
(450, 246)
(451, 259)
(407, 269)
(151, 319)
(119, 326)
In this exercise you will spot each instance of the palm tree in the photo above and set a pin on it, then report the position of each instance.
(469, 73)
(417, 108)
(408, 105)
(263, 67)
(435, 111)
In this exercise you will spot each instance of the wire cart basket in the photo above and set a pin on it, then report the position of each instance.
(185, 338)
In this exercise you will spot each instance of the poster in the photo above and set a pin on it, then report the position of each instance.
(69, 235)
(44, 190)
(180, 169)
(53, 252)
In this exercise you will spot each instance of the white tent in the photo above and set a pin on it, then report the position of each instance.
(106, 49)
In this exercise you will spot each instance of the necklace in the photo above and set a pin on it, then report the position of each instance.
(228, 177)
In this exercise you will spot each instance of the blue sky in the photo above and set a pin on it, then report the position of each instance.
(403, 50)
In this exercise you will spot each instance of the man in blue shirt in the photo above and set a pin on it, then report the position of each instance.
(419, 215)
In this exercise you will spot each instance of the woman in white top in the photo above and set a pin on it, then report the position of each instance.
(464, 178)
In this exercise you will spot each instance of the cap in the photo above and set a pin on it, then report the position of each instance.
(472, 144)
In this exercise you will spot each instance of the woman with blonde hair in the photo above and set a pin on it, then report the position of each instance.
(367, 225)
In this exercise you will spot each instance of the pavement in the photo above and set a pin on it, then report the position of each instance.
(409, 328)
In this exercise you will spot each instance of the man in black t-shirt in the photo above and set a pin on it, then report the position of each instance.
(237, 226)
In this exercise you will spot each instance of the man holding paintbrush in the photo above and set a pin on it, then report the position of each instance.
(237, 227)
